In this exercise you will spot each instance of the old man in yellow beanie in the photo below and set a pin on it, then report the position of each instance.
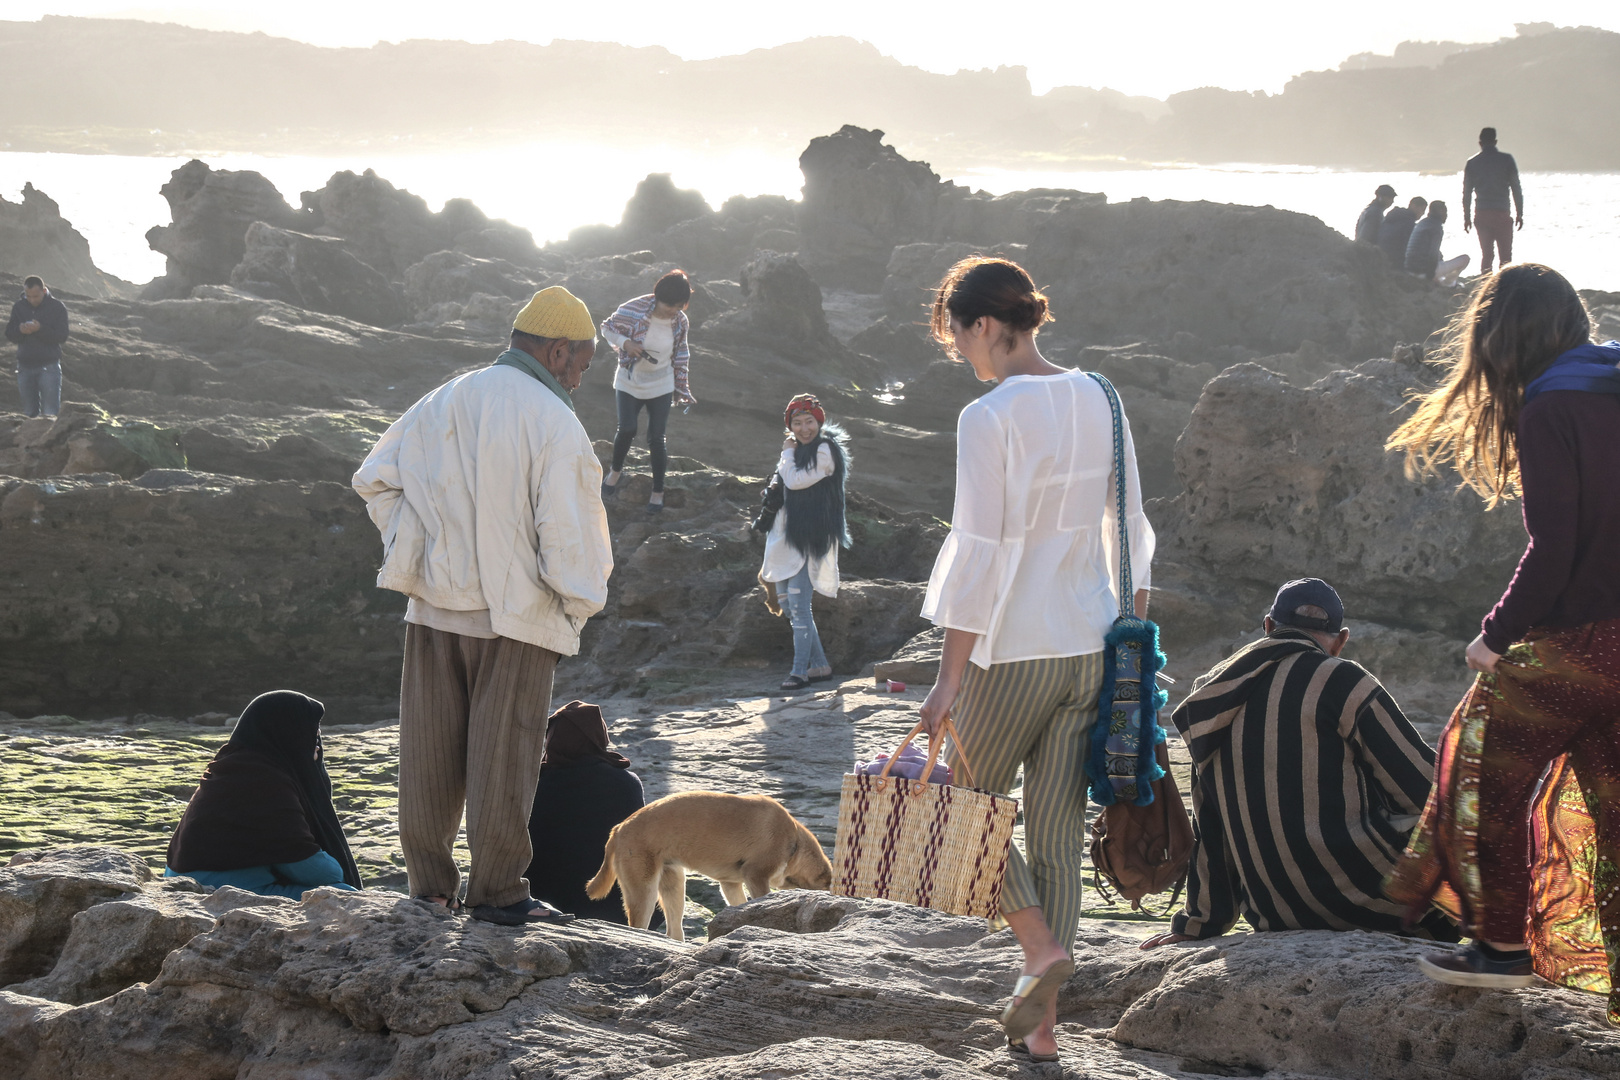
(488, 497)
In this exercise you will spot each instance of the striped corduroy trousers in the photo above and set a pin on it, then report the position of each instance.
(472, 728)
(1036, 714)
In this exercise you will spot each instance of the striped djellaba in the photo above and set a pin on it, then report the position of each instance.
(1307, 779)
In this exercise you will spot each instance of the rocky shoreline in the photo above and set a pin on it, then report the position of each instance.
(183, 537)
(127, 976)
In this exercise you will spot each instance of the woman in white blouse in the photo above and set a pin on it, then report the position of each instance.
(801, 549)
(1025, 587)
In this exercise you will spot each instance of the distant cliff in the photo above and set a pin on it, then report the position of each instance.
(98, 85)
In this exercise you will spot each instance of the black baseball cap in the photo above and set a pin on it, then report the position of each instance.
(1385, 189)
(1308, 592)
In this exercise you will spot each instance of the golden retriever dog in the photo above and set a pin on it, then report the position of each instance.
(741, 841)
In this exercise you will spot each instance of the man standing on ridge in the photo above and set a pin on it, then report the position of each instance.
(1491, 176)
(487, 493)
(38, 327)
(1372, 217)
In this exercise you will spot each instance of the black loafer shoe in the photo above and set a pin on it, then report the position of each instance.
(522, 913)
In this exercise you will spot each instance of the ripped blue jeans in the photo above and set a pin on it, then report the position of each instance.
(796, 594)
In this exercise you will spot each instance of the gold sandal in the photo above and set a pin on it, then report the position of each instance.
(1031, 995)
(1020, 1049)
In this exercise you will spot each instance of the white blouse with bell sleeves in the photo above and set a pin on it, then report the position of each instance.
(1031, 562)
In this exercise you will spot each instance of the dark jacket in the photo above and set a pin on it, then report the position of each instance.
(43, 346)
(574, 810)
(1393, 234)
(1492, 176)
(1368, 223)
(1423, 249)
(266, 798)
(1569, 471)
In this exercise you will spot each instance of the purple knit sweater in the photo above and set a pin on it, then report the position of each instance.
(1569, 461)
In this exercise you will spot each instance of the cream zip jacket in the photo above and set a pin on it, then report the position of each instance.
(488, 494)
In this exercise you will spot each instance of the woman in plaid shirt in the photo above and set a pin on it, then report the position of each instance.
(649, 334)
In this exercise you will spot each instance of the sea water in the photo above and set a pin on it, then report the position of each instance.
(1572, 219)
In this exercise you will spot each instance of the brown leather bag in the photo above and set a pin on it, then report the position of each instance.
(1142, 850)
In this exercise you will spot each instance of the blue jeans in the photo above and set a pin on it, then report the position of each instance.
(41, 388)
(796, 594)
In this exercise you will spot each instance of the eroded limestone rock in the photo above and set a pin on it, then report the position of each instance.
(800, 983)
(41, 892)
(317, 273)
(211, 211)
(36, 239)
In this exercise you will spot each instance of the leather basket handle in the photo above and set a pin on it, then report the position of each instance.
(934, 746)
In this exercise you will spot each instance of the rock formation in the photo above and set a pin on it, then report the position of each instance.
(389, 229)
(226, 400)
(797, 983)
(211, 211)
(36, 239)
(316, 273)
(1282, 481)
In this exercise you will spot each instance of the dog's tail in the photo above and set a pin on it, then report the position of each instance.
(602, 884)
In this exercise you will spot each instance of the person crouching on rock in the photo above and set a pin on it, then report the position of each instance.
(261, 818)
(1308, 779)
(801, 548)
(589, 787)
(649, 333)
(1520, 840)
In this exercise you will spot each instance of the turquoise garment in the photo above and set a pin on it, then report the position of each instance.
(281, 879)
(524, 362)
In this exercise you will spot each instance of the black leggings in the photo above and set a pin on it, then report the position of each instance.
(657, 420)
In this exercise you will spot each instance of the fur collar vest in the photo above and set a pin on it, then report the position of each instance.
(815, 515)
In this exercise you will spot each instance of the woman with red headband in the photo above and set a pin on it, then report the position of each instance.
(801, 548)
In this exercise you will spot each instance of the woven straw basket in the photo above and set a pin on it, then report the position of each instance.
(931, 845)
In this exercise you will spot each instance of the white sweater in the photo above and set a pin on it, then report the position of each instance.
(487, 493)
(1031, 562)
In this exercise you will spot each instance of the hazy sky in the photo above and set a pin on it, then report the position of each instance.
(1140, 48)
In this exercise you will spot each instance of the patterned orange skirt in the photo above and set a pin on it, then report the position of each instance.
(1521, 835)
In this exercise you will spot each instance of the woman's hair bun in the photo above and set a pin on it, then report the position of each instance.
(998, 288)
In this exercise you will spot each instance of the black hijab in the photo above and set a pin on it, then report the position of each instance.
(266, 797)
(576, 734)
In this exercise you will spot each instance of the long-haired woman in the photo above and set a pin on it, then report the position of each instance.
(1530, 409)
(1025, 589)
(801, 548)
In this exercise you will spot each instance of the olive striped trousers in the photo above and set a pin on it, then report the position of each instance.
(1036, 714)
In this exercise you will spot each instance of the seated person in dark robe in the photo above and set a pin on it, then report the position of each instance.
(262, 818)
(585, 789)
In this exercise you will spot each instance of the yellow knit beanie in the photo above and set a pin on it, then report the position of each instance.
(556, 313)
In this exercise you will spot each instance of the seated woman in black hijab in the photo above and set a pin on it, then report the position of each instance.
(585, 789)
(262, 819)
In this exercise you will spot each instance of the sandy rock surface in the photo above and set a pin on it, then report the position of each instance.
(799, 983)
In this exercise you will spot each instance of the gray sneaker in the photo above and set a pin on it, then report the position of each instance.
(1471, 967)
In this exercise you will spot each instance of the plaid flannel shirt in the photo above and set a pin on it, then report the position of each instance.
(629, 323)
